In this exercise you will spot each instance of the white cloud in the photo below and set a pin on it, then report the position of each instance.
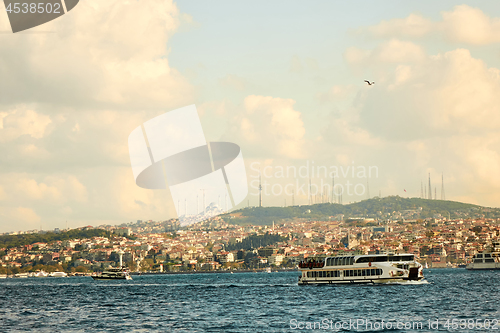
(463, 24)
(470, 25)
(18, 218)
(54, 190)
(103, 53)
(412, 26)
(233, 81)
(269, 126)
(23, 121)
(393, 51)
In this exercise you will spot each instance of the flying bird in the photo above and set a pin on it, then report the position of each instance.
(369, 83)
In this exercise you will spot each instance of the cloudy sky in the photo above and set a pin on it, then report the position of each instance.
(284, 80)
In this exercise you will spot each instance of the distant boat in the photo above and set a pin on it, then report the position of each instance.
(58, 274)
(426, 266)
(21, 275)
(41, 274)
(268, 270)
(3, 276)
(113, 273)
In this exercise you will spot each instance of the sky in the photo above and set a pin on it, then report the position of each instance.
(284, 80)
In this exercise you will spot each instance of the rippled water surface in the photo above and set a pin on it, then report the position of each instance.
(245, 302)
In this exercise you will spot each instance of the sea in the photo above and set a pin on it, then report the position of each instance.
(454, 300)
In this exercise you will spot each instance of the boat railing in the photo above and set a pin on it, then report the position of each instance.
(312, 264)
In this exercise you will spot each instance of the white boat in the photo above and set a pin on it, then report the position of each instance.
(58, 274)
(489, 259)
(484, 261)
(41, 274)
(377, 268)
(3, 276)
(268, 270)
(21, 275)
(113, 273)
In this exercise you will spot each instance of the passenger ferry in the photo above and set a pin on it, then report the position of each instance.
(376, 268)
(486, 260)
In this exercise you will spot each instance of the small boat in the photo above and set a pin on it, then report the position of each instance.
(21, 275)
(41, 274)
(3, 276)
(268, 270)
(58, 274)
(113, 273)
(487, 259)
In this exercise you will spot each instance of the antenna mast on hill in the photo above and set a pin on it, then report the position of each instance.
(442, 188)
(333, 190)
(309, 191)
(430, 188)
(260, 191)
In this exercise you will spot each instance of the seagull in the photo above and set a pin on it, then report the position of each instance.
(369, 83)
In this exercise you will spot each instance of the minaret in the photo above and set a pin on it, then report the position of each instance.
(309, 191)
(121, 253)
(430, 188)
(442, 188)
(333, 190)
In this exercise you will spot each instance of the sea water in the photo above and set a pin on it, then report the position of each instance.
(250, 302)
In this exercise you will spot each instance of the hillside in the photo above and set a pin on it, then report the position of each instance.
(381, 208)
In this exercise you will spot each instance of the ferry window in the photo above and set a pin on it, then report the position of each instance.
(356, 272)
(347, 273)
(379, 271)
(351, 261)
(365, 259)
(334, 261)
(489, 260)
(368, 272)
(363, 272)
(381, 259)
(479, 255)
(478, 260)
(407, 258)
(487, 255)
